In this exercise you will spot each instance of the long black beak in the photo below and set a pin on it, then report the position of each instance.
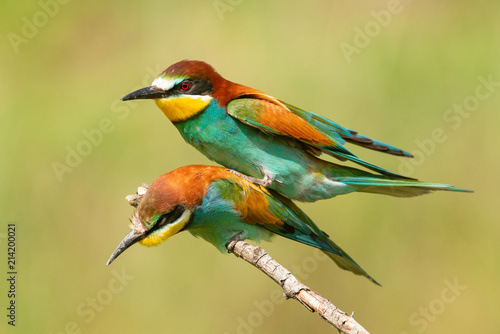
(150, 92)
(128, 241)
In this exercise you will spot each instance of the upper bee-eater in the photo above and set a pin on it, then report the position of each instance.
(273, 142)
(219, 206)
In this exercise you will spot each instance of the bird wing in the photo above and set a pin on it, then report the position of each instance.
(298, 226)
(276, 117)
(277, 214)
(331, 128)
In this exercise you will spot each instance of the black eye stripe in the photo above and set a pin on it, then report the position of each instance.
(167, 218)
(194, 87)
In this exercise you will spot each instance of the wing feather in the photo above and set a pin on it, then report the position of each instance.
(273, 116)
(281, 216)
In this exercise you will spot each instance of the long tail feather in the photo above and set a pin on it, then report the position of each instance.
(349, 264)
(299, 227)
(398, 188)
(373, 167)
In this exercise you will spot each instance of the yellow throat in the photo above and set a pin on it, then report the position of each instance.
(181, 108)
(159, 236)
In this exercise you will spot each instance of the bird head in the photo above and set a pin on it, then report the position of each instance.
(183, 90)
(164, 210)
(152, 231)
(168, 205)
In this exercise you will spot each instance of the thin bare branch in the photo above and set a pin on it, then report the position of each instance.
(293, 288)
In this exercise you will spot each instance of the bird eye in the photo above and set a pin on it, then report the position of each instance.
(185, 85)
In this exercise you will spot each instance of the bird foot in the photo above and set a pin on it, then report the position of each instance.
(265, 182)
(232, 242)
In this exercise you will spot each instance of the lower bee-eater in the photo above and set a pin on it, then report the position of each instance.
(273, 142)
(218, 206)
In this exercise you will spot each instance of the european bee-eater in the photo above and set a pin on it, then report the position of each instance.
(273, 142)
(218, 205)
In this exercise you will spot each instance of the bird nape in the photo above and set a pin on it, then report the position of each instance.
(267, 139)
(217, 205)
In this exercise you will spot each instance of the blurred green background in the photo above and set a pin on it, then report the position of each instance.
(391, 70)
